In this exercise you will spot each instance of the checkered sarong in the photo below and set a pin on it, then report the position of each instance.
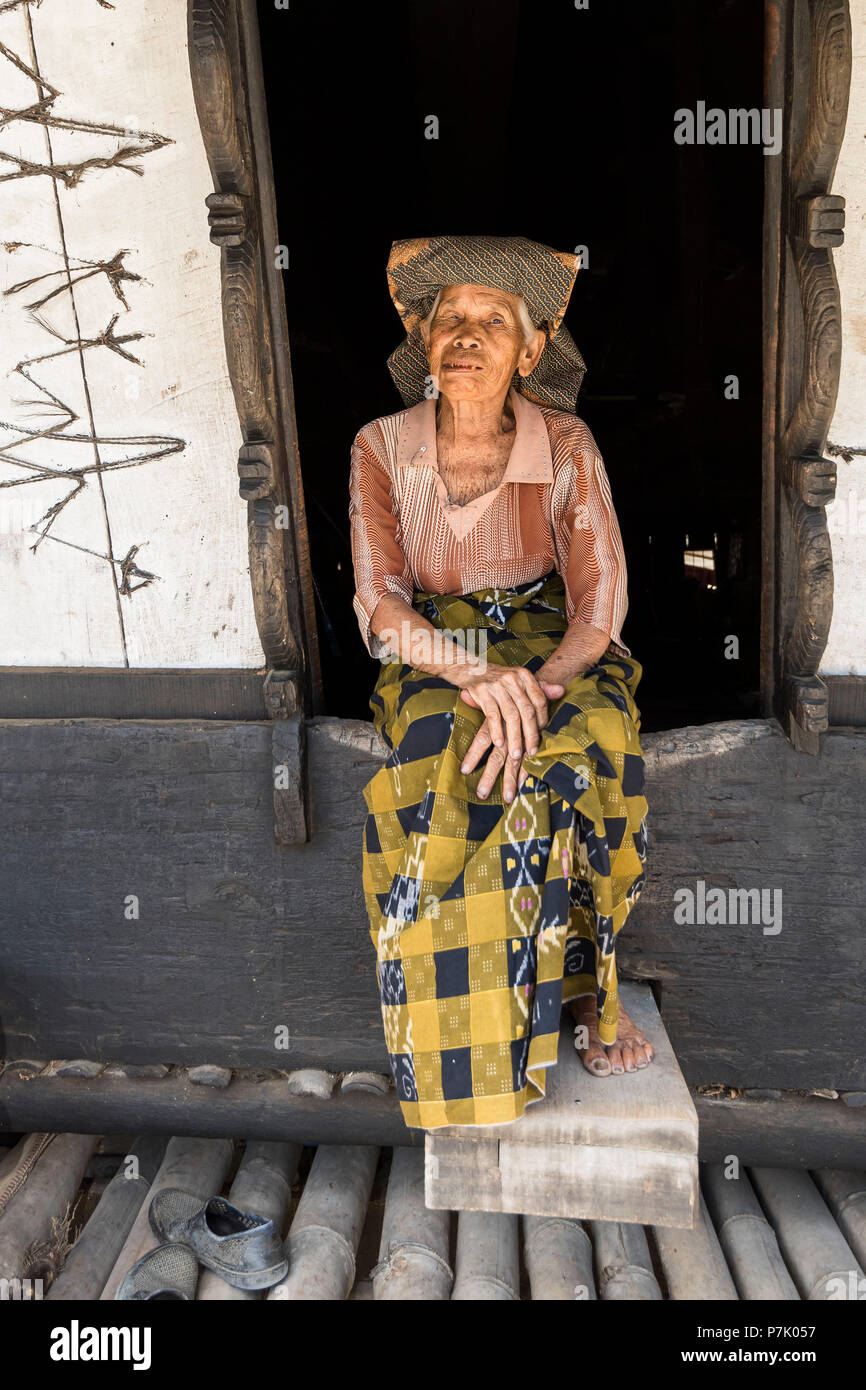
(486, 918)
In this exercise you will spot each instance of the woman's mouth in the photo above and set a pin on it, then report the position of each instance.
(461, 367)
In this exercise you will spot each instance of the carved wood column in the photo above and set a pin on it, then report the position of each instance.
(229, 96)
(808, 76)
(224, 67)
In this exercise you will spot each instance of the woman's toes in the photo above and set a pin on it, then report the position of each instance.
(614, 1052)
(628, 1057)
(594, 1060)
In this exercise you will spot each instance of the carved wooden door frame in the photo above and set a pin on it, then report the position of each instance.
(226, 70)
(228, 86)
(807, 75)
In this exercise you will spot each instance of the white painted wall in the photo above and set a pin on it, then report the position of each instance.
(124, 67)
(846, 649)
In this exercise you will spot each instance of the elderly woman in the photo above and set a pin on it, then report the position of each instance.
(505, 841)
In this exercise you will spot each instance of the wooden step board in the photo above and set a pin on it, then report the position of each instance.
(615, 1148)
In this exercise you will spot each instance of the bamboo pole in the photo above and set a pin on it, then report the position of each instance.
(487, 1262)
(746, 1236)
(95, 1252)
(196, 1165)
(42, 1199)
(324, 1236)
(693, 1261)
(623, 1265)
(263, 1185)
(413, 1254)
(844, 1192)
(823, 1265)
(558, 1255)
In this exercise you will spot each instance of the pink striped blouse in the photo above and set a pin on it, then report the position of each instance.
(552, 509)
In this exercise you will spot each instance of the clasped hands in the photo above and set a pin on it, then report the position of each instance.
(514, 703)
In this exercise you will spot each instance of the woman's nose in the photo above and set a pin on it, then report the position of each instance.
(467, 337)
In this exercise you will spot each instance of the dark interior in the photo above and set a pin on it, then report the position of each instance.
(556, 124)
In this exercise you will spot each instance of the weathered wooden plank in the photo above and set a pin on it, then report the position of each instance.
(794, 1132)
(246, 1109)
(289, 741)
(180, 816)
(847, 700)
(623, 1151)
(92, 692)
(797, 1131)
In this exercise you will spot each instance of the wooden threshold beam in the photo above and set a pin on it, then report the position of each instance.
(794, 1132)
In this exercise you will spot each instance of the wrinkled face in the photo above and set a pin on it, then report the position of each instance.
(475, 343)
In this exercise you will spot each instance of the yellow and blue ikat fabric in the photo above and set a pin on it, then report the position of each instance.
(487, 917)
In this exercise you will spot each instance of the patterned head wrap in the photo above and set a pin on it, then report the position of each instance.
(419, 268)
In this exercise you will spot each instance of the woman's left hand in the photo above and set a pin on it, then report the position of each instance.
(500, 760)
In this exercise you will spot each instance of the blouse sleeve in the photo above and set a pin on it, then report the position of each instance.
(380, 565)
(589, 547)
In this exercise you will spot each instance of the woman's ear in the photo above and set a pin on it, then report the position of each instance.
(531, 353)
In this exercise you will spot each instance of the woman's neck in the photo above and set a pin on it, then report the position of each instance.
(459, 423)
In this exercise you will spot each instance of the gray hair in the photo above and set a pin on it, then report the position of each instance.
(528, 328)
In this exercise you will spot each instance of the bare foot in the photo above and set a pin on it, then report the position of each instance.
(630, 1052)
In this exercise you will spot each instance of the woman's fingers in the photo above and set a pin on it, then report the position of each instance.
(513, 725)
(539, 702)
(533, 711)
(516, 710)
(487, 702)
(492, 769)
(475, 751)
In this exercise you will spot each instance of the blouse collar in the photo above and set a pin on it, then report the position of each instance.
(530, 460)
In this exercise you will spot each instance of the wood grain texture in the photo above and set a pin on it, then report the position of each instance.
(796, 1131)
(223, 57)
(237, 938)
(626, 1152)
(808, 74)
(111, 692)
(289, 765)
(847, 697)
